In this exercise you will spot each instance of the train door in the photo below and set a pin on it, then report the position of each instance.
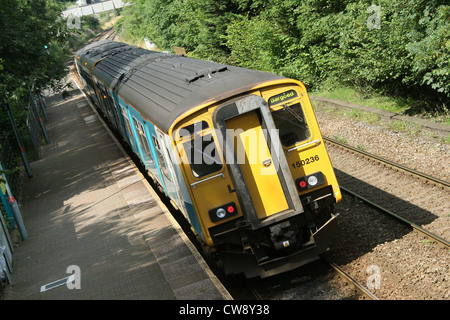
(257, 165)
(168, 169)
(256, 160)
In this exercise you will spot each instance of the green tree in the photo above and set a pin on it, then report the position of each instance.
(27, 27)
(320, 42)
(198, 25)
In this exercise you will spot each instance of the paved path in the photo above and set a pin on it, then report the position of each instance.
(90, 214)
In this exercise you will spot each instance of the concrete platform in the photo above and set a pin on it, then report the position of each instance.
(91, 216)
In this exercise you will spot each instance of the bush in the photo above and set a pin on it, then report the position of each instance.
(397, 47)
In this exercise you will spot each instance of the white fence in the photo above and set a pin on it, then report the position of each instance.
(94, 8)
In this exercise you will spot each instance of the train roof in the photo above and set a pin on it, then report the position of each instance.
(164, 86)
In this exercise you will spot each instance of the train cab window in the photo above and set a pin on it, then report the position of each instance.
(200, 149)
(193, 128)
(291, 122)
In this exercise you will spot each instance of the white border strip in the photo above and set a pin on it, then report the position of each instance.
(57, 283)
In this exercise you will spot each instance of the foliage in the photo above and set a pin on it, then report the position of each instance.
(26, 27)
(268, 50)
(35, 43)
(430, 50)
(197, 25)
(396, 47)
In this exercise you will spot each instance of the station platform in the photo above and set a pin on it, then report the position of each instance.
(97, 230)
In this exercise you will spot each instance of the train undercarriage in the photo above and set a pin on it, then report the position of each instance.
(279, 246)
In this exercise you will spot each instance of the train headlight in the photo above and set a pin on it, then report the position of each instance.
(222, 212)
(310, 181)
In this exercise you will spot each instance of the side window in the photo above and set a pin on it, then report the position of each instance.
(201, 150)
(161, 162)
(291, 122)
(127, 122)
(114, 108)
(142, 138)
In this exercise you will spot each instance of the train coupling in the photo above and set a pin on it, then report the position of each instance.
(283, 236)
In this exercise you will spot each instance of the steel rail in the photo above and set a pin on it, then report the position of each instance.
(349, 278)
(406, 222)
(253, 291)
(419, 174)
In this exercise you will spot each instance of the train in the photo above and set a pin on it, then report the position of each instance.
(238, 151)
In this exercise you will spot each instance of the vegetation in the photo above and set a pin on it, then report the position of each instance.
(395, 48)
(30, 36)
(35, 45)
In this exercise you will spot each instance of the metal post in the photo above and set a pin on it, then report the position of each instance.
(15, 209)
(42, 104)
(36, 110)
(23, 153)
(8, 210)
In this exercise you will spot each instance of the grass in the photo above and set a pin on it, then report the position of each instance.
(341, 139)
(375, 100)
(397, 105)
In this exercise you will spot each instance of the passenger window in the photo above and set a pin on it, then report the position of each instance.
(201, 150)
(162, 163)
(291, 123)
(142, 138)
(127, 122)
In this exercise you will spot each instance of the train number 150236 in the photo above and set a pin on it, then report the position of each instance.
(304, 162)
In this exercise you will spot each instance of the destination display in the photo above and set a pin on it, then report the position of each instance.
(282, 97)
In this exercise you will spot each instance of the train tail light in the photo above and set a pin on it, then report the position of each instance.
(310, 181)
(222, 212)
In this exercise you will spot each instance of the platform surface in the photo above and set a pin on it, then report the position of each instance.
(91, 216)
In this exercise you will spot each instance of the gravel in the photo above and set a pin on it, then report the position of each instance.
(390, 259)
(395, 262)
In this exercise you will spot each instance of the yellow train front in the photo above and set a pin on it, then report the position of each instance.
(238, 151)
(260, 178)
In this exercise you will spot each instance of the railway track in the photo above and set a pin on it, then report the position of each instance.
(424, 177)
(430, 235)
(109, 33)
(383, 193)
(414, 198)
(394, 165)
(347, 277)
(322, 280)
